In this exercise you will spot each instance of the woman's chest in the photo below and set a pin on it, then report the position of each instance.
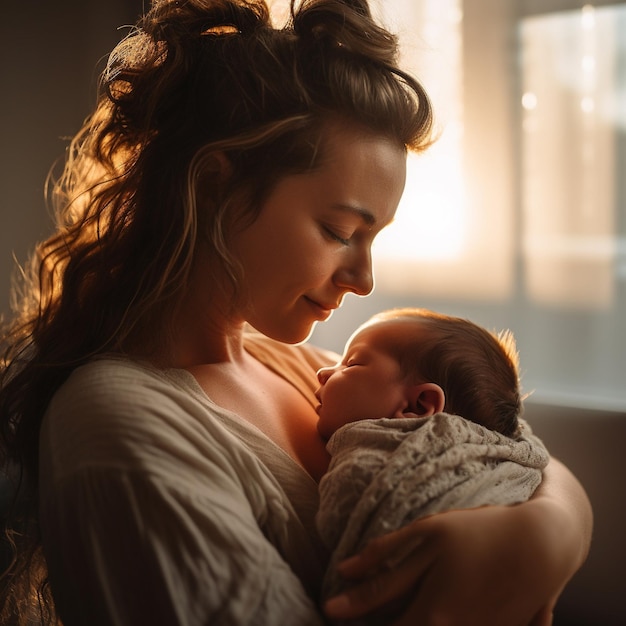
(273, 406)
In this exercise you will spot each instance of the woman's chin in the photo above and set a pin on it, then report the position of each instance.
(294, 335)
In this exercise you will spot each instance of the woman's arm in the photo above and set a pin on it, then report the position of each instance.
(478, 567)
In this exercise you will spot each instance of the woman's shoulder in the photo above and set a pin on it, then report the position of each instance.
(119, 410)
(112, 382)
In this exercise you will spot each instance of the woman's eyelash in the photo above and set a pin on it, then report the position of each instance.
(333, 235)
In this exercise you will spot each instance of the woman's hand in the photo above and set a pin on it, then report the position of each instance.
(493, 566)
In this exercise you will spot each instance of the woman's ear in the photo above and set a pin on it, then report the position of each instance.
(426, 399)
(214, 172)
(220, 165)
(215, 168)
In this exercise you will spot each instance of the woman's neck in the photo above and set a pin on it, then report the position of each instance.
(203, 334)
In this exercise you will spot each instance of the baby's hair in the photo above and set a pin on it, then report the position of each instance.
(478, 370)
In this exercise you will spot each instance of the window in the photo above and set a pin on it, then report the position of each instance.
(572, 73)
(572, 77)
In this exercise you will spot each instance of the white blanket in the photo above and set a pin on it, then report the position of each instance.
(385, 473)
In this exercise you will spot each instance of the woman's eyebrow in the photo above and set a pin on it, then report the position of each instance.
(364, 214)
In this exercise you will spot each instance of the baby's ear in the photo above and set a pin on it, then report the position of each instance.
(426, 399)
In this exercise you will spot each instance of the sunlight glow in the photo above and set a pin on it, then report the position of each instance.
(588, 17)
(430, 222)
(529, 101)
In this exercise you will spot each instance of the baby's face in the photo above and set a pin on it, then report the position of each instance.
(366, 384)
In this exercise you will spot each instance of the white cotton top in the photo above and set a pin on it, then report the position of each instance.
(159, 507)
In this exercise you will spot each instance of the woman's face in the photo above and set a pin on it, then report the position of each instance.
(311, 243)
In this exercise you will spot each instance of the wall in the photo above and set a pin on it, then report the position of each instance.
(591, 444)
(49, 62)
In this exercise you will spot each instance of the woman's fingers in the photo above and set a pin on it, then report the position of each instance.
(382, 553)
(388, 568)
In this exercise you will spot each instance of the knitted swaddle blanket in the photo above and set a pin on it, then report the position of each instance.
(385, 473)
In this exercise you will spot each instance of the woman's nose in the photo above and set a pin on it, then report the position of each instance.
(357, 276)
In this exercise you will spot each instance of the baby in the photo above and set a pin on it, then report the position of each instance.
(422, 415)
(415, 363)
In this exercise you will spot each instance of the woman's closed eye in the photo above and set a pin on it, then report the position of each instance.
(336, 236)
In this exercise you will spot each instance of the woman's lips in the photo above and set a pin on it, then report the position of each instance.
(323, 311)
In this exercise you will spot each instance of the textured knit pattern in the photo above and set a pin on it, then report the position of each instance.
(386, 473)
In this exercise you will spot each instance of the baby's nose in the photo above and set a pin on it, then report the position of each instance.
(324, 374)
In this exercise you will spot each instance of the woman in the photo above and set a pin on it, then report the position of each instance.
(233, 175)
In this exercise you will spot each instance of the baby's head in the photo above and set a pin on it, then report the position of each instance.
(408, 362)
